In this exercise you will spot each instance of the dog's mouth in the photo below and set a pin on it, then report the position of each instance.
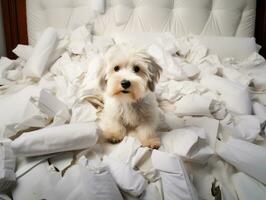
(125, 91)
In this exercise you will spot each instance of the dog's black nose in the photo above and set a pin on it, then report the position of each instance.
(125, 84)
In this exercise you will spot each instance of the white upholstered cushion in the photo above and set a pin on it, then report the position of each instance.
(181, 17)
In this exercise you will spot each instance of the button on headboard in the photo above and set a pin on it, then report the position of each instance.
(181, 17)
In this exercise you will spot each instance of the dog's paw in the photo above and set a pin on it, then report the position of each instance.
(113, 137)
(153, 142)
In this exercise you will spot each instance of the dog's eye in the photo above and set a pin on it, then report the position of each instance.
(116, 68)
(136, 68)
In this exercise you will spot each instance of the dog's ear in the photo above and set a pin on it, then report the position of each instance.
(154, 73)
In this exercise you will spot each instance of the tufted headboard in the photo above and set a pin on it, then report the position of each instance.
(25, 19)
(181, 17)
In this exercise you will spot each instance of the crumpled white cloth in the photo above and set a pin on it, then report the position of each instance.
(246, 157)
(31, 187)
(14, 109)
(36, 65)
(72, 79)
(56, 139)
(152, 193)
(175, 181)
(128, 179)
(5, 65)
(79, 38)
(248, 188)
(23, 51)
(189, 142)
(82, 183)
(193, 104)
(245, 127)
(260, 111)
(210, 126)
(235, 95)
(7, 165)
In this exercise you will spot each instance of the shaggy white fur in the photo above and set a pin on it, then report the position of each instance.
(128, 80)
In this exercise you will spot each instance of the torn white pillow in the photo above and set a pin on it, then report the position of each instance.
(189, 143)
(247, 157)
(208, 124)
(236, 47)
(245, 127)
(193, 104)
(235, 95)
(37, 62)
(175, 180)
(56, 139)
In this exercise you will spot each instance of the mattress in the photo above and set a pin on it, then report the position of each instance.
(212, 110)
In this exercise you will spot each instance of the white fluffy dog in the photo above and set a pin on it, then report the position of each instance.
(128, 80)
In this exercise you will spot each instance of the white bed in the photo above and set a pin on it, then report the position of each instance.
(212, 96)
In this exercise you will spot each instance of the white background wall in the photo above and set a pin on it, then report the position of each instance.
(2, 38)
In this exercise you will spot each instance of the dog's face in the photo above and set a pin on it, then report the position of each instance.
(128, 74)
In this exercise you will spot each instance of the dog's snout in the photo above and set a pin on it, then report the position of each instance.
(125, 84)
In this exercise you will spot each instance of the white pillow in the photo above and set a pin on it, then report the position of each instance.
(140, 39)
(235, 47)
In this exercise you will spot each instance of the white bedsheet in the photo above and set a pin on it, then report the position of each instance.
(208, 104)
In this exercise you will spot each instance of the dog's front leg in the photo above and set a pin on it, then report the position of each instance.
(147, 136)
(112, 130)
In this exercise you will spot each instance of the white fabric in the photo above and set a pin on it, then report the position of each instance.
(245, 127)
(56, 139)
(38, 61)
(140, 39)
(13, 107)
(50, 105)
(78, 40)
(126, 177)
(189, 142)
(30, 187)
(232, 47)
(235, 47)
(209, 125)
(260, 111)
(210, 17)
(175, 180)
(7, 165)
(193, 105)
(245, 156)
(248, 188)
(82, 183)
(5, 64)
(236, 96)
(23, 51)
(152, 193)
